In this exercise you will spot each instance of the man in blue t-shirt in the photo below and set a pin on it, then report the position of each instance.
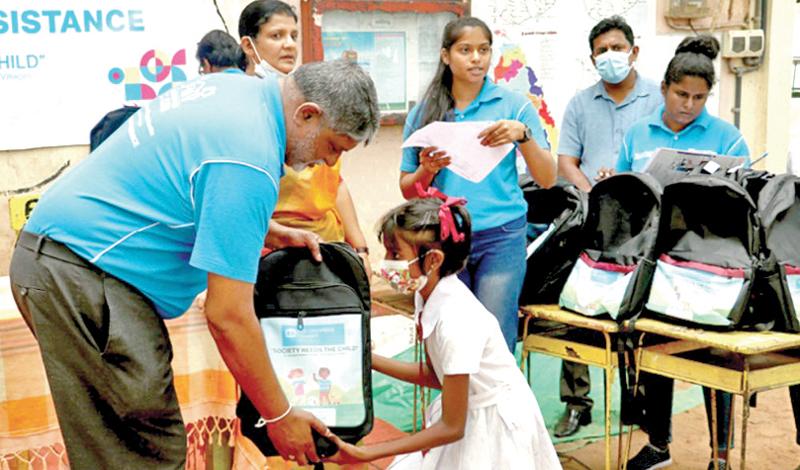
(177, 200)
(595, 122)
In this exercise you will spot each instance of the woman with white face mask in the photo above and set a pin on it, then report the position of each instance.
(268, 32)
(314, 199)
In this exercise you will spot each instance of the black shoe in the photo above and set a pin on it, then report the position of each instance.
(572, 421)
(723, 464)
(650, 458)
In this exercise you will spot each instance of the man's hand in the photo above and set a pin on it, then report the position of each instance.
(233, 325)
(291, 436)
(604, 173)
(432, 159)
(281, 236)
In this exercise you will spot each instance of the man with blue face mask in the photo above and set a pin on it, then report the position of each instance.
(595, 122)
(175, 201)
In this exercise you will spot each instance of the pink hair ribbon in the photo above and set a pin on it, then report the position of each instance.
(446, 221)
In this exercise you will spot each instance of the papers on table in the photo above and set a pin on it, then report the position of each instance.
(469, 159)
(670, 165)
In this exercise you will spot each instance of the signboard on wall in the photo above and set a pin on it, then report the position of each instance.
(65, 63)
(382, 54)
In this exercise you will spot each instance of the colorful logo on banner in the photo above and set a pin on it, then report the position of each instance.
(155, 71)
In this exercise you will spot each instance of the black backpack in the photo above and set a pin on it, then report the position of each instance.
(561, 210)
(616, 261)
(779, 209)
(753, 181)
(711, 265)
(315, 319)
(108, 124)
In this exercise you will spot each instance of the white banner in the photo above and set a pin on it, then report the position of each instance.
(65, 64)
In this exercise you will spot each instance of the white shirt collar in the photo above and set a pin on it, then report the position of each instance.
(430, 311)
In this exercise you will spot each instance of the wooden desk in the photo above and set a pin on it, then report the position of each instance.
(752, 361)
(550, 330)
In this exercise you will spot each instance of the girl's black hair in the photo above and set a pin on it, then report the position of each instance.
(259, 12)
(221, 50)
(693, 56)
(417, 223)
(438, 99)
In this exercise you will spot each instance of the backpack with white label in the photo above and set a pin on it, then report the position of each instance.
(315, 321)
(779, 209)
(711, 269)
(615, 265)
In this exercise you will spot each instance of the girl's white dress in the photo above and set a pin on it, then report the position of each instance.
(504, 427)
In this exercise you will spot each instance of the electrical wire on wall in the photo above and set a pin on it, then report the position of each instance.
(219, 13)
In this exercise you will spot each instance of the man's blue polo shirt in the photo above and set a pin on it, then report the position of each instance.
(706, 133)
(497, 199)
(594, 124)
(185, 187)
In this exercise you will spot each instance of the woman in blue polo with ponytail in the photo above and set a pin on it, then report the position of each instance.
(460, 91)
(682, 123)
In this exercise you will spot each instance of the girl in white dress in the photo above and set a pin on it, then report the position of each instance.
(486, 416)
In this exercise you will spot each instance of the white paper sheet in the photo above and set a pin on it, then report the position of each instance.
(469, 159)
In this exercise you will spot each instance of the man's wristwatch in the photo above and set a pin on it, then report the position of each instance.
(526, 136)
(362, 250)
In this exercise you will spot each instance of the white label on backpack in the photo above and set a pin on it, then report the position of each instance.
(592, 291)
(693, 295)
(793, 280)
(319, 365)
(711, 167)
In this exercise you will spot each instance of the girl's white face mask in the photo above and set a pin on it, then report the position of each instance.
(398, 274)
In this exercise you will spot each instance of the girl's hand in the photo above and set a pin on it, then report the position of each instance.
(506, 131)
(348, 453)
(432, 159)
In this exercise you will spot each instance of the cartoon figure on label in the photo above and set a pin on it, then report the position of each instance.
(298, 381)
(324, 385)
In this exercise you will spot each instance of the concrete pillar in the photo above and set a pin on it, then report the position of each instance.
(766, 93)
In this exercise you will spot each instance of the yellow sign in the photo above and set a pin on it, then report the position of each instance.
(21, 208)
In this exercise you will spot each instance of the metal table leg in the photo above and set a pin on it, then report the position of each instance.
(608, 373)
(714, 438)
(745, 410)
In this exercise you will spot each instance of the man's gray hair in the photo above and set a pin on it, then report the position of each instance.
(345, 93)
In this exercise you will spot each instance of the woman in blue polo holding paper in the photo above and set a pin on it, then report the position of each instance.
(460, 91)
(682, 122)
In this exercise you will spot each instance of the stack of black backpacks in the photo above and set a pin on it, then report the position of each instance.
(716, 252)
(707, 251)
